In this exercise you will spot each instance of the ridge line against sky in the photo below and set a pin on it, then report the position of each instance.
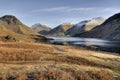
(55, 12)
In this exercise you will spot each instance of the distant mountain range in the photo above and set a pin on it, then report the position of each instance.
(84, 26)
(110, 29)
(42, 29)
(60, 29)
(12, 29)
(68, 29)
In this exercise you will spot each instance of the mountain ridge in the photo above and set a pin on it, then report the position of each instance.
(12, 29)
(13, 24)
(42, 29)
(110, 29)
(84, 26)
(60, 29)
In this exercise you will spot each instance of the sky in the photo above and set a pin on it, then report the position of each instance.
(55, 12)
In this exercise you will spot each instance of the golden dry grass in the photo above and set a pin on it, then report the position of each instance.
(38, 61)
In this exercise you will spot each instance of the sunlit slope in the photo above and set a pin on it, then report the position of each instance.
(12, 27)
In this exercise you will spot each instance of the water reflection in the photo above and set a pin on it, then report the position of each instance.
(103, 44)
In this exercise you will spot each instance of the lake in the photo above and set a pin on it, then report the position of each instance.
(107, 45)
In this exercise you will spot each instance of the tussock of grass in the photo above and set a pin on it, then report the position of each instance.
(34, 61)
(22, 55)
(75, 60)
(56, 74)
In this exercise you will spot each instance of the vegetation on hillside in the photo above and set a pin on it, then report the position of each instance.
(11, 29)
(32, 61)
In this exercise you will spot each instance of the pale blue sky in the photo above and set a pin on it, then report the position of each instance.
(55, 12)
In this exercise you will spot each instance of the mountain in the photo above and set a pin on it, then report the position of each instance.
(60, 30)
(12, 29)
(84, 26)
(12, 23)
(110, 29)
(42, 29)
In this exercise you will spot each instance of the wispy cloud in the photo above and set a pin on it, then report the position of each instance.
(77, 9)
(55, 9)
(62, 9)
(110, 9)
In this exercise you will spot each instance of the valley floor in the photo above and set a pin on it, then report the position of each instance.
(39, 61)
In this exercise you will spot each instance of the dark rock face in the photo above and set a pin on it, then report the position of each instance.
(43, 32)
(75, 30)
(56, 30)
(114, 17)
(110, 29)
(9, 19)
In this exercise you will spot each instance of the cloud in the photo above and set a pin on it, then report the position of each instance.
(77, 9)
(111, 10)
(51, 9)
(55, 9)
(62, 9)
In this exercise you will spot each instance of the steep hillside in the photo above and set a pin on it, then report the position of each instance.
(12, 23)
(110, 29)
(60, 30)
(84, 26)
(42, 29)
(11, 29)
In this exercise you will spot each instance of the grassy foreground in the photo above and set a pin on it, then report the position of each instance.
(38, 61)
